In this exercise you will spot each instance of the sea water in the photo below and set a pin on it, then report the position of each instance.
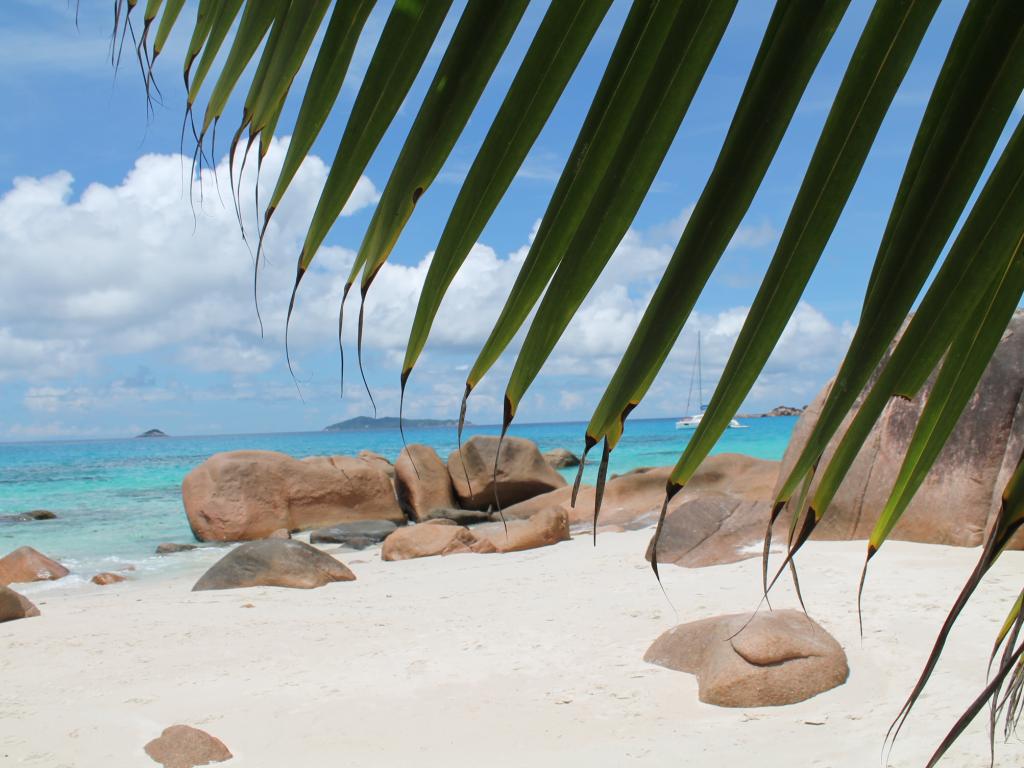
(116, 500)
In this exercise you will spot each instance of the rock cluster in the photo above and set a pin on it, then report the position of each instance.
(243, 495)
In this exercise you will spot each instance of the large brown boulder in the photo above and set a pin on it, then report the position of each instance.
(274, 563)
(711, 530)
(14, 606)
(549, 526)
(779, 657)
(959, 497)
(560, 458)
(380, 462)
(422, 482)
(426, 540)
(243, 495)
(636, 497)
(522, 472)
(182, 746)
(26, 564)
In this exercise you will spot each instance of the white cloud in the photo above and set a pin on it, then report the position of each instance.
(129, 268)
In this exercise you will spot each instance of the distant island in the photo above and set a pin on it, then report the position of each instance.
(388, 422)
(779, 410)
(152, 433)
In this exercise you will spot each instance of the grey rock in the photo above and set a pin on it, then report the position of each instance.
(458, 516)
(560, 458)
(28, 517)
(358, 535)
(274, 563)
(171, 548)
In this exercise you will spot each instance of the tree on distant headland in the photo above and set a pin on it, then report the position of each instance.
(663, 49)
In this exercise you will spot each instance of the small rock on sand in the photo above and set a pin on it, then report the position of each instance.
(182, 746)
(106, 578)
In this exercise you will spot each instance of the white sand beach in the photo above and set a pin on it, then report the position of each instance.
(531, 658)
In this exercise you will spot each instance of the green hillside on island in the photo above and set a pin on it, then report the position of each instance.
(388, 422)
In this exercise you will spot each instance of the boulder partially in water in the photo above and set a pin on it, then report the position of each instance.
(170, 548)
(274, 563)
(106, 578)
(26, 564)
(243, 495)
(28, 517)
(560, 458)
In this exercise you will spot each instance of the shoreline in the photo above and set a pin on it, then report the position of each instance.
(477, 657)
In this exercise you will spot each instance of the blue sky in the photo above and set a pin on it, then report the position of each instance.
(121, 310)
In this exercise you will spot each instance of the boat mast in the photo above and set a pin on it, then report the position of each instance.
(700, 376)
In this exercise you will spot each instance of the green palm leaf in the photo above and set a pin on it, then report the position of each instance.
(886, 47)
(980, 82)
(793, 44)
(563, 36)
(329, 70)
(691, 42)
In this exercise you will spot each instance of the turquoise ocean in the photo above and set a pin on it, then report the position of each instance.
(118, 499)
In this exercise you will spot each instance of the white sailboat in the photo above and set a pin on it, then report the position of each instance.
(693, 420)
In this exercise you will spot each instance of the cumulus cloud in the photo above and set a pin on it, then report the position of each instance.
(130, 270)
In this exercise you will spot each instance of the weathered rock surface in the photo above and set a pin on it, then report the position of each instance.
(358, 535)
(28, 517)
(635, 498)
(242, 495)
(422, 482)
(549, 526)
(171, 548)
(106, 578)
(14, 606)
(274, 563)
(780, 657)
(26, 564)
(560, 458)
(459, 516)
(522, 472)
(961, 494)
(427, 540)
(182, 746)
(280, 533)
(378, 461)
(711, 530)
